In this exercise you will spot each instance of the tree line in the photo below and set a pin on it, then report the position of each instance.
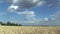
(9, 24)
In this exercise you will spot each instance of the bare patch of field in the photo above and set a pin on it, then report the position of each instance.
(29, 30)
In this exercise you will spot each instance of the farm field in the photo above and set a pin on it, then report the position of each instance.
(29, 30)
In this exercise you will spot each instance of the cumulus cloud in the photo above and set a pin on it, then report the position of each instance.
(30, 17)
(14, 1)
(13, 8)
(32, 3)
(46, 19)
(19, 4)
(40, 3)
(52, 3)
(28, 14)
(27, 3)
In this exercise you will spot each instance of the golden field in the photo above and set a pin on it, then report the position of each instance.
(29, 30)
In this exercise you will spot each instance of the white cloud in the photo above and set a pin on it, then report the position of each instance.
(30, 21)
(27, 3)
(15, 1)
(29, 17)
(46, 19)
(40, 3)
(34, 1)
(53, 3)
(12, 8)
(27, 13)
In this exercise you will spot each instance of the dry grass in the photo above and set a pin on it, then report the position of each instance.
(29, 30)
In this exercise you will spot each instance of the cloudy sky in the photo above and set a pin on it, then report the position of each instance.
(30, 11)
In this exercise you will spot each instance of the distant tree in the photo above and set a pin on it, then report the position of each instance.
(0, 22)
(8, 23)
(20, 25)
(12, 24)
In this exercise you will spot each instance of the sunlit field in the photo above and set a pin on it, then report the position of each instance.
(29, 30)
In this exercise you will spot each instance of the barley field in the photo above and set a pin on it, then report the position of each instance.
(29, 30)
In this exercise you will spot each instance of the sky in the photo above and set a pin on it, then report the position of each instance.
(33, 12)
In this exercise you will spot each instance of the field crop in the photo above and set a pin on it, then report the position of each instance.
(29, 30)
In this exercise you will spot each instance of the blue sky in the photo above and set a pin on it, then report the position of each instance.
(22, 11)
